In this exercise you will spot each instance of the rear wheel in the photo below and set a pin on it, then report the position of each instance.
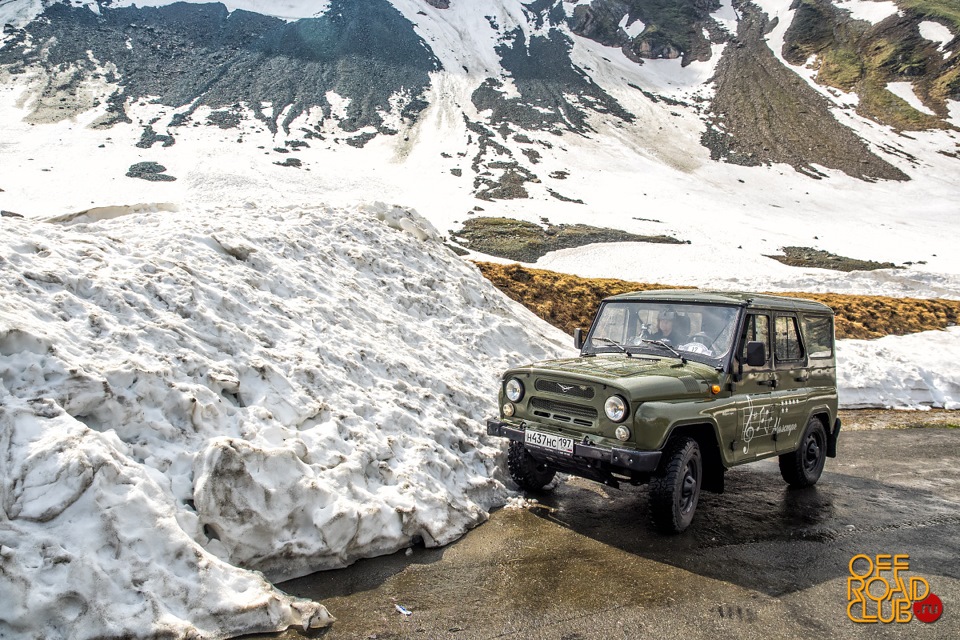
(675, 488)
(802, 468)
(525, 471)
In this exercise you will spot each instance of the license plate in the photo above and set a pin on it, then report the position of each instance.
(562, 444)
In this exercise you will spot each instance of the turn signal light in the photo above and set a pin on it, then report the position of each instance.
(715, 389)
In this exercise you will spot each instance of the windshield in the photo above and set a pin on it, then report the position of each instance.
(700, 332)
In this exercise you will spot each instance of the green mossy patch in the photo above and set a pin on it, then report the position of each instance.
(527, 242)
(808, 257)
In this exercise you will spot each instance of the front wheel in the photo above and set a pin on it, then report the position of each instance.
(525, 471)
(802, 468)
(675, 488)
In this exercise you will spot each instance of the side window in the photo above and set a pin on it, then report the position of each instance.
(788, 345)
(818, 334)
(757, 330)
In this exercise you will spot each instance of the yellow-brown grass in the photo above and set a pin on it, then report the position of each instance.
(567, 302)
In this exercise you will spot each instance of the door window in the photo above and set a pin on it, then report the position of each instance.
(757, 330)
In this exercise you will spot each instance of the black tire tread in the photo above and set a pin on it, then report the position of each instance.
(791, 464)
(524, 469)
(662, 512)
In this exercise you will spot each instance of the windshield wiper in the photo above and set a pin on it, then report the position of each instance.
(616, 344)
(661, 343)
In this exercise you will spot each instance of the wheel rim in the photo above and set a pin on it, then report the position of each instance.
(688, 488)
(811, 453)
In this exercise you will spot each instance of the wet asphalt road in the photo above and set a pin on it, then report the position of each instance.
(760, 561)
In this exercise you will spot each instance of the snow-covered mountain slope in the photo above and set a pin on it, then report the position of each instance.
(526, 110)
(286, 389)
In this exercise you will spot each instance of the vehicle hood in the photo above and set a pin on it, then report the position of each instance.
(617, 367)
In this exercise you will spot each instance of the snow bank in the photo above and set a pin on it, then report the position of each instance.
(900, 372)
(283, 390)
(936, 32)
(872, 11)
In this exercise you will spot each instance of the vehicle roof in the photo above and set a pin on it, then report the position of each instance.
(740, 298)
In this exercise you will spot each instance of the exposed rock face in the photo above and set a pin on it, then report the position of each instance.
(439, 4)
(190, 55)
(547, 81)
(672, 28)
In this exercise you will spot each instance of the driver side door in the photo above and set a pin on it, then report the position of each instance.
(757, 409)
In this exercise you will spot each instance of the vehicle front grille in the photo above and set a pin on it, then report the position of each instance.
(563, 411)
(576, 390)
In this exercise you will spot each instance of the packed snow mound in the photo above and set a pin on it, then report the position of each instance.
(917, 371)
(283, 390)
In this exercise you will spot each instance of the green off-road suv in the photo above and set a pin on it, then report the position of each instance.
(674, 388)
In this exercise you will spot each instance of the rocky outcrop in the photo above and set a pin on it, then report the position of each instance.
(860, 57)
(672, 28)
(764, 113)
(150, 171)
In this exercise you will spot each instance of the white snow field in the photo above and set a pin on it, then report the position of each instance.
(285, 390)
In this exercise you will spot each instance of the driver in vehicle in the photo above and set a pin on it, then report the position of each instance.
(670, 328)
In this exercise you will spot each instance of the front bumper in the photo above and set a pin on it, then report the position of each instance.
(584, 455)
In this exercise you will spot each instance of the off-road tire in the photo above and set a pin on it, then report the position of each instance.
(525, 471)
(675, 487)
(802, 468)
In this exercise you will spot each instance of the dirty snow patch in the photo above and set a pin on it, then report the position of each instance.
(632, 29)
(936, 32)
(904, 91)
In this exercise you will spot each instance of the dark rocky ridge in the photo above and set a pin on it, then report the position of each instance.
(191, 55)
(544, 76)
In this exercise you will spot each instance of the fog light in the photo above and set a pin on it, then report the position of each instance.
(508, 410)
(622, 433)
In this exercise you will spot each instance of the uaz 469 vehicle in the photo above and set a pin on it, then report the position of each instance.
(674, 388)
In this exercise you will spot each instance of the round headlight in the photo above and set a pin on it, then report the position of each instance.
(616, 408)
(514, 390)
(508, 410)
(622, 433)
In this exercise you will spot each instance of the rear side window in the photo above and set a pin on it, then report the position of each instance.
(818, 331)
(788, 344)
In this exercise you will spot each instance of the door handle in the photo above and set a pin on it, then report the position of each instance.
(772, 383)
(802, 378)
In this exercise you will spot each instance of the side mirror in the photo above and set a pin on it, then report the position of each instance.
(578, 338)
(756, 354)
